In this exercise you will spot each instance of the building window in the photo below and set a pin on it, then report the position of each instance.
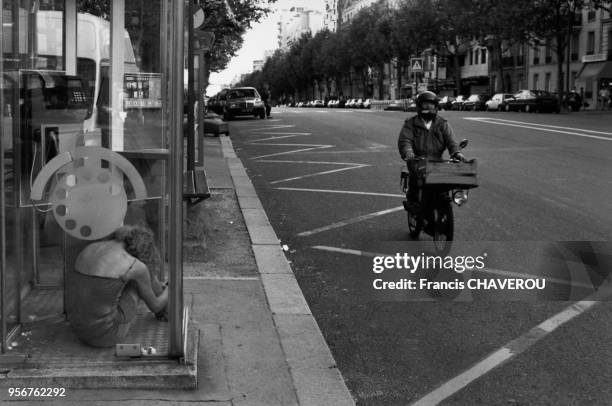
(536, 55)
(483, 55)
(536, 79)
(590, 43)
(548, 54)
(591, 15)
(519, 81)
(461, 60)
(575, 46)
(547, 82)
(471, 57)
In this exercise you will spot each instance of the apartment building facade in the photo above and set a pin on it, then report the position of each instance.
(297, 21)
(590, 59)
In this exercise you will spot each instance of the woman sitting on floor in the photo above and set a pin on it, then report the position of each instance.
(110, 277)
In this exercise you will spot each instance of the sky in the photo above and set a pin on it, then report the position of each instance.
(260, 38)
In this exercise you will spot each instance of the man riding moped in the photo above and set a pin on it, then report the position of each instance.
(425, 135)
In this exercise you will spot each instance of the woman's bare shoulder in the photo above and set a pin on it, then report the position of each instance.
(106, 259)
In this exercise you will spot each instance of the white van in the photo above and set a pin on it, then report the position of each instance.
(93, 54)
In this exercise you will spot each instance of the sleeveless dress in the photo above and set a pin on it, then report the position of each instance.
(101, 310)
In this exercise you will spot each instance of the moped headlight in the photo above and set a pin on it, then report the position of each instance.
(460, 197)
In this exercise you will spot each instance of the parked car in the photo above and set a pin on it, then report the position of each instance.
(367, 103)
(243, 101)
(358, 104)
(350, 103)
(318, 103)
(457, 104)
(446, 102)
(410, 105)
(216, 103)
(497, 102)
(475, 102)
(533, 101)
(332, 103)
(395, 105)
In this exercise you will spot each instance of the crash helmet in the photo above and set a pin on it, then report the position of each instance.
(429, 97)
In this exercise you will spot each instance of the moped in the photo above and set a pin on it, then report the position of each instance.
(440, 183)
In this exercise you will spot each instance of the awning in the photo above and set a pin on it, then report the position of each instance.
(600, 69)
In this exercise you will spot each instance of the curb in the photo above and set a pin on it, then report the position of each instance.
(313, 370)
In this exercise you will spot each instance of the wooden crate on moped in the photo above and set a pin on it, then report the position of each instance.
(462, 175)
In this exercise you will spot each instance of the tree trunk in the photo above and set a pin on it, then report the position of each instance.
(560, 87)
(457, 73)
(500, 67)
(381, 81)
(399, 80)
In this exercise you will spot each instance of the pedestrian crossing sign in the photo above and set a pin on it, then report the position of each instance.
(417, 64)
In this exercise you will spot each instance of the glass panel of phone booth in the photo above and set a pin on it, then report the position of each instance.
(9, 267)
(43, 114)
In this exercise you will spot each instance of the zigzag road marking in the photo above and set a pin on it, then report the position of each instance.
(311, 147)
(350, 166)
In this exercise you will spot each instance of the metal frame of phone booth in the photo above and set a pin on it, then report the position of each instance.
(22, 55)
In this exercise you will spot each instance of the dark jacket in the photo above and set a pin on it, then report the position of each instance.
(417, 139)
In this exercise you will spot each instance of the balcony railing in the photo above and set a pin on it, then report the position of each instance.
(594, 58)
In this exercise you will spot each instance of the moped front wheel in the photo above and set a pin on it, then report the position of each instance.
(443, 228)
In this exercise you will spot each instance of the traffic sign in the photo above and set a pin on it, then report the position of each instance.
(416, 64)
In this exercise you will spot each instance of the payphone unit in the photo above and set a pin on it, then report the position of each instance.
(53, 107)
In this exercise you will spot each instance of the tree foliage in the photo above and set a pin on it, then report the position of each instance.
(378, 35)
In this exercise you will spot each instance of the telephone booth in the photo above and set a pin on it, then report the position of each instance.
(91, 139)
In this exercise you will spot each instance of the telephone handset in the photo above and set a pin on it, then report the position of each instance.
(88, 200)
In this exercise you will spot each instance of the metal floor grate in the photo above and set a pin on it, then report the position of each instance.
(47, 338)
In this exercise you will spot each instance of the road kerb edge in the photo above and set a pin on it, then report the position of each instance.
(288, 306)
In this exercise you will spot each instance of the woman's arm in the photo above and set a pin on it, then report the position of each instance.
(141, 276)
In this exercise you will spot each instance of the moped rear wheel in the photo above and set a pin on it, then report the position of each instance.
(443, 228)
(415, 225)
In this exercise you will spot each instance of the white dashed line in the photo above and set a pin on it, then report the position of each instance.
(348, 192)
(349, 221)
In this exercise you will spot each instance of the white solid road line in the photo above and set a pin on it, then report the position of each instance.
(532, 126)
(541, 125)
(348, 192)
(512, 349)
(349, 221)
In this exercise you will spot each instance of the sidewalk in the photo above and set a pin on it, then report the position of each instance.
(259, 344)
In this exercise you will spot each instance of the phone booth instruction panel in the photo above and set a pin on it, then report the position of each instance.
(85, 146)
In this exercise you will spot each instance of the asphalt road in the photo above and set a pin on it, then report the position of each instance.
(329, 181)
